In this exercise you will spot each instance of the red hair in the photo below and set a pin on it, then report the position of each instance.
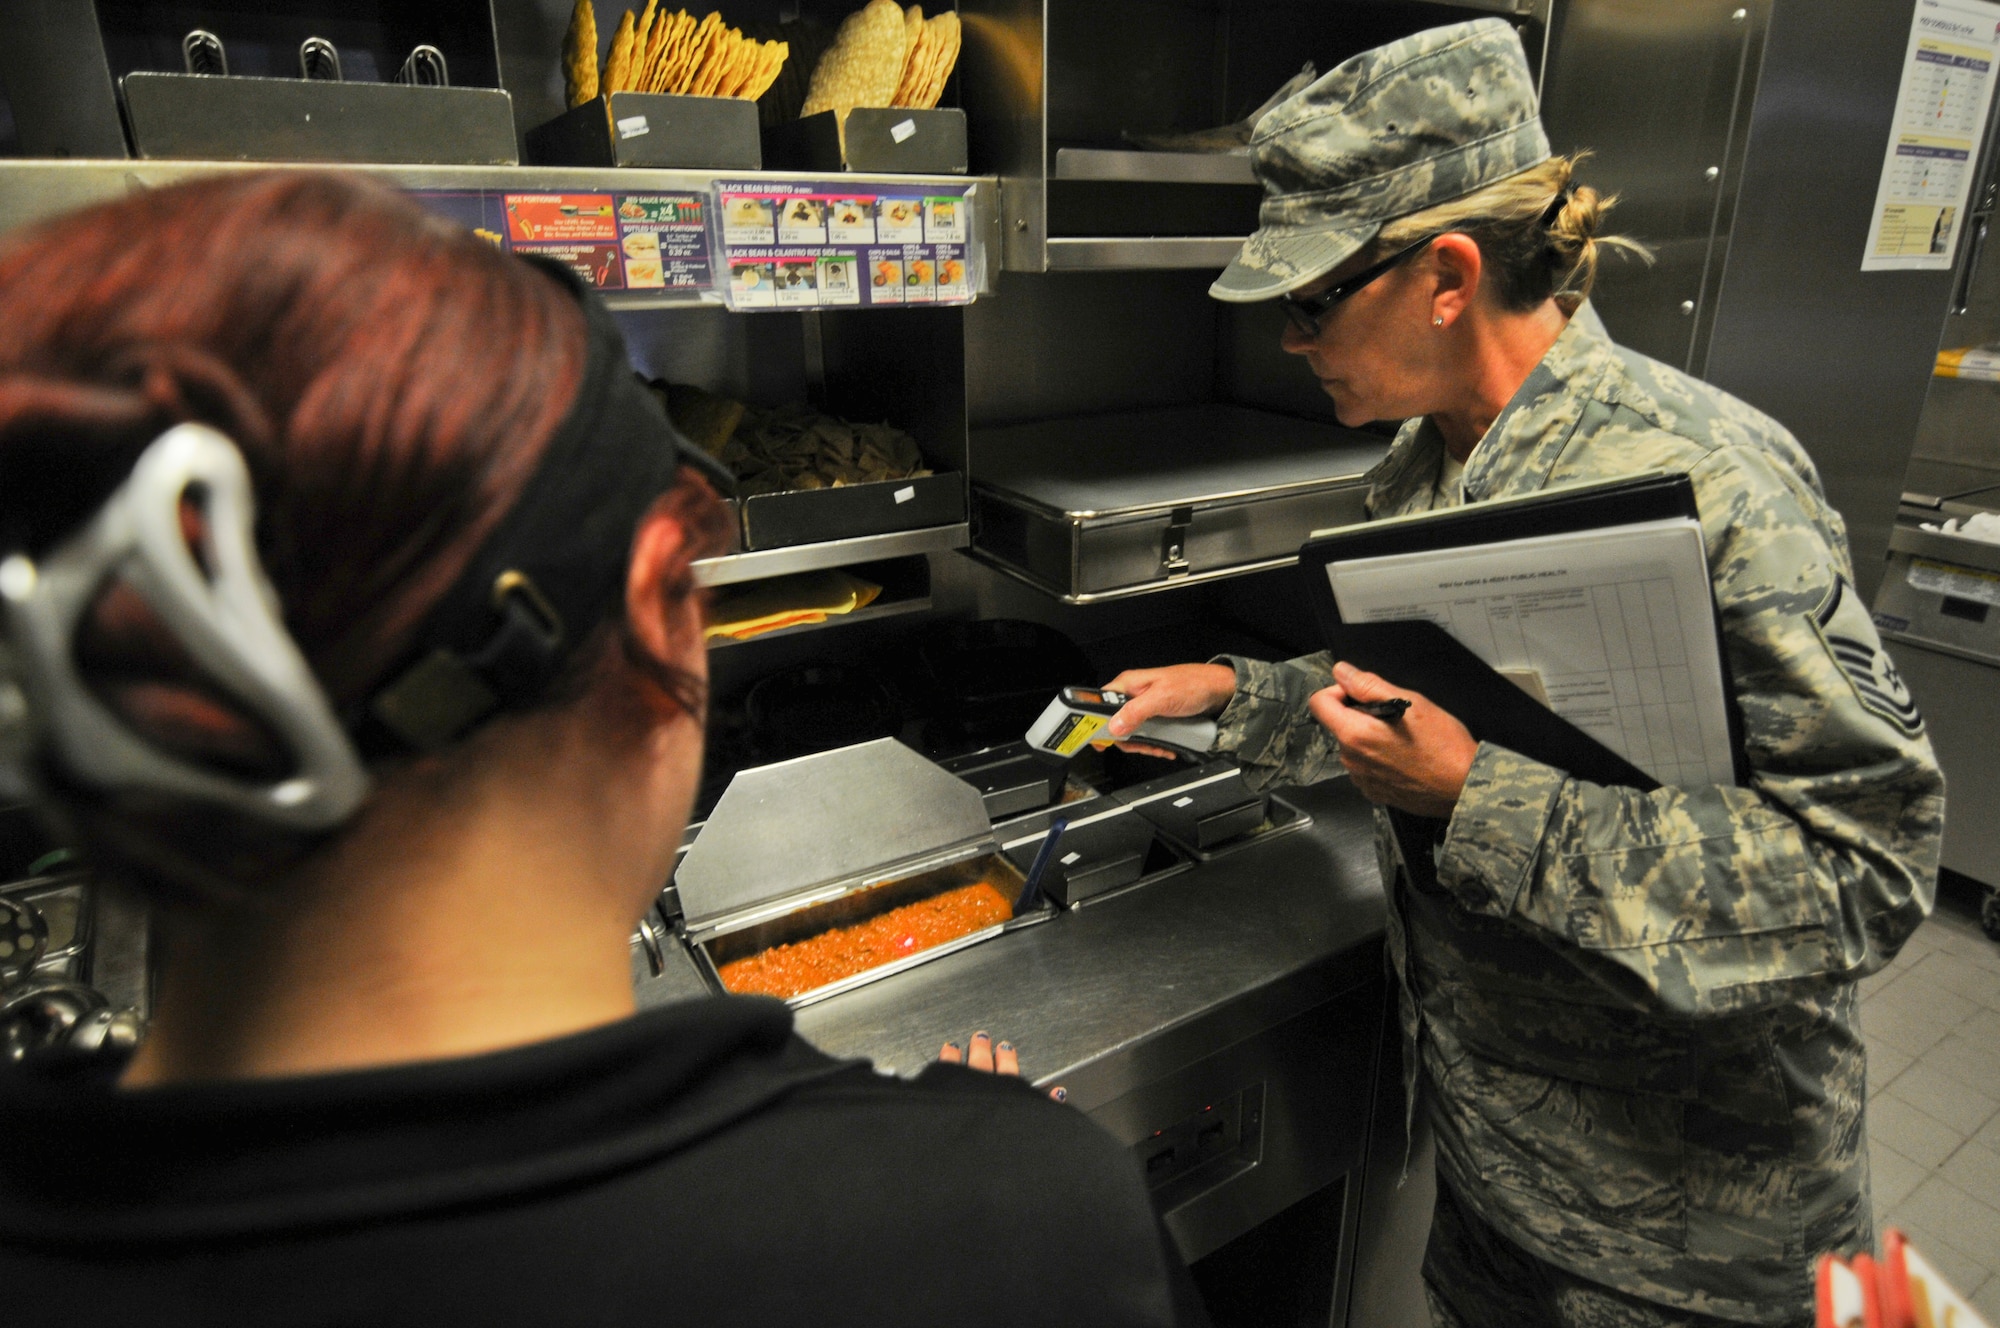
(390, 378)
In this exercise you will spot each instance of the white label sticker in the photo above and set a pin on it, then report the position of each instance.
(1184, 802)
(1070, 859)
(632, 126)
(904, 131)
(1958, 582)
(907, 492)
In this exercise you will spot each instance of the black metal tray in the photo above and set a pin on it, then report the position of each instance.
(811, 516)
(205, 118)
(651, 129)
(893, 140)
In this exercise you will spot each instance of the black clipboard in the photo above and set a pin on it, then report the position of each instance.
(1423, 657)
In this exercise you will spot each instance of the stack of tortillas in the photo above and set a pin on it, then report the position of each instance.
(933, 52)
(885, 56)
(662, 52)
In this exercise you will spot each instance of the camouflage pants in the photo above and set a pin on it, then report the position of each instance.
(1476, 1278)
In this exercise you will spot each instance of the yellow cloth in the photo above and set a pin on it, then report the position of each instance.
(741, 612)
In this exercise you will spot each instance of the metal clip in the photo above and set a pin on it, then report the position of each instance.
(202, 53)
(319, 61)
(512, 582)
(425, 68)
(1173, 546)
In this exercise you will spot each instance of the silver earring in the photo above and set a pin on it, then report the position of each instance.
(1437, 322)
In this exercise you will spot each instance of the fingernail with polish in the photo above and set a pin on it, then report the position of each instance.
(1006, 1046)
(1061, 1095)
(954, 1046)
(981, 1037)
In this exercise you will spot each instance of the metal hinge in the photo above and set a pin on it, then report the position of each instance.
(1173, 546)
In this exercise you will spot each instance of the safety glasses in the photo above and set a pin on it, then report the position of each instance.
(1305, 312)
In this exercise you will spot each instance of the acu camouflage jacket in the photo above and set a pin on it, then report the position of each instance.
(1636, 1011)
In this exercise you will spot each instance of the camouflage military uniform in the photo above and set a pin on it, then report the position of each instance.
(1635, 1011)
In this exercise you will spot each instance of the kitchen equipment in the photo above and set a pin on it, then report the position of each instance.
(1079, 714)
(1011, 778)
(899, 140)
(651, 129)
(833, 840)
(1938, 611)
(1099, 507)
(1106, 847)
(1210, 810)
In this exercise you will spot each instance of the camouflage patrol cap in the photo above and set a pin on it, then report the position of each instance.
(1392, 131)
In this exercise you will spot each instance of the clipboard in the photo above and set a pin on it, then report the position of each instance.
(1423, 657)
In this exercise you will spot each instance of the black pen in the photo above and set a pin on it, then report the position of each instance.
(1390, 710)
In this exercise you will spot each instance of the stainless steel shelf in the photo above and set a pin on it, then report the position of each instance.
(739, 567)
(1068, 254)
(1153, 167)
(894, 608)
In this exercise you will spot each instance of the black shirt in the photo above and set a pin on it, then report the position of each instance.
(695, 1164)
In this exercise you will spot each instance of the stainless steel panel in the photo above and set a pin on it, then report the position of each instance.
(1313, 1072)
(1960, 428)
(1653, 90)
(849, 817)
(734, 568)
(1053, 345)
(1002, 85)
(1155, 167)
(1841, 357)
(1957, 625)
(1104, 506)
(1961, 704)
(1207, 252)
(58, 84)
(1111, 464)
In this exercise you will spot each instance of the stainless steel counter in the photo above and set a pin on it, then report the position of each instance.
(1224, 1022)
(1113, 994)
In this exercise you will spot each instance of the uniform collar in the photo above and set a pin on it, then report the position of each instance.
(1523, 443)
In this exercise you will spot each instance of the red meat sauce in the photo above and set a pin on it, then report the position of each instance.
(788, 970)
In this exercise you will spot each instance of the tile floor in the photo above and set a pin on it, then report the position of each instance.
(1932, 1022)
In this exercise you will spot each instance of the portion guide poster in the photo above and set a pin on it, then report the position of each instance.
(821, 244)
(618, 241)
(1933, 149)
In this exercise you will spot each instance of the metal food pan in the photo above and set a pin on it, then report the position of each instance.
(1107, 849)
(1104, 506)
(1211, 811)
(859, 906)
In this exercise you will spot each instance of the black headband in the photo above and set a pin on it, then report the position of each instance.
(554, 567)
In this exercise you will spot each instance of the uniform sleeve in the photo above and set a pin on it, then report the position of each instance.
(1267, 727)
(1713, 898)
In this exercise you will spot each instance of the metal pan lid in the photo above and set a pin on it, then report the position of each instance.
(781, 831)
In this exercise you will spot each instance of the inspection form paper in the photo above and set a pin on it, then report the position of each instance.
(1933, 150)
(1614, 627)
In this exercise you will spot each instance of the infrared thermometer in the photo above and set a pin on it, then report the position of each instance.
(1078, 715)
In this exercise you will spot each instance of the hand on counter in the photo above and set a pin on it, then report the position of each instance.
(1417, 763)
(1179, 691)
(1000, 1059)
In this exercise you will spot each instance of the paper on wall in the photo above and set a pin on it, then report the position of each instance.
(1933, 149)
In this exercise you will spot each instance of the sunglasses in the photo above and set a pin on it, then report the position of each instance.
(1306, 311)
